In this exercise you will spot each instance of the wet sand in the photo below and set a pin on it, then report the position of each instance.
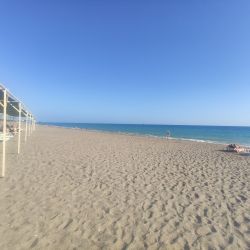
(77, 189)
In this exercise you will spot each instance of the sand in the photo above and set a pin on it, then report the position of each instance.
(77, 189)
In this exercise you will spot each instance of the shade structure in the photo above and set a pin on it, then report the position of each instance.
(13, 109)
(13, 104)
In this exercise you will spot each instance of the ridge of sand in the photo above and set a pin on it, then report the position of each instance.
(78, 189)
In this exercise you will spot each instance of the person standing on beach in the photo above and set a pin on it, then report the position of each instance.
(168, 135)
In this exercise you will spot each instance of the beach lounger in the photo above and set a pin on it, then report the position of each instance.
(237, 149)
(8, 136)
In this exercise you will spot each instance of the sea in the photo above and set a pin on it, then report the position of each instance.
(210, 134)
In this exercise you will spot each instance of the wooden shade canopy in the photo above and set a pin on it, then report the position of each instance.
(10, 106)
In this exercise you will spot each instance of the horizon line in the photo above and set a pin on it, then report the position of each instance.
(145, 124)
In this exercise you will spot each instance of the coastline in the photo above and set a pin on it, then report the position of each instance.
(142, 135)
(73, 188)
(247, 146)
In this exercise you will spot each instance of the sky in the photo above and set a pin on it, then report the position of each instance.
(134, 61)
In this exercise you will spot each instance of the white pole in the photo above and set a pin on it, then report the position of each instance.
(33, 125)
(26, 127)
(4, 129)
(29, 123)
(19, 129)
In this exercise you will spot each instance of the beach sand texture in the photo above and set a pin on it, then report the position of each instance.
(77, 189)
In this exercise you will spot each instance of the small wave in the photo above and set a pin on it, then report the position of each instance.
(197, 140)
(205, 141)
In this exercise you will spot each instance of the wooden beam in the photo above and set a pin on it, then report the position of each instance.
(14, 107)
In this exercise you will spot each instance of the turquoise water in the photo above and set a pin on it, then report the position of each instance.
(216, 134)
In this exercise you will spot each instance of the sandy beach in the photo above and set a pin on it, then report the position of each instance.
(78, 189)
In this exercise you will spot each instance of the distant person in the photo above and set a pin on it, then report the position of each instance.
(168, 135)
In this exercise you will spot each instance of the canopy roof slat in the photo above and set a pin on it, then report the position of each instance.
(12, 104)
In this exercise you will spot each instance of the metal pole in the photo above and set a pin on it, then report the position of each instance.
(19, 129)
(26, 128)
(4, 130)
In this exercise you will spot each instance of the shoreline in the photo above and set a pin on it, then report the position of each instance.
(147, 135)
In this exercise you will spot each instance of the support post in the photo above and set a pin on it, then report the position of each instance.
(29, 123)
(26, 127)
(19, 128)
(32, 125)
(4, 130)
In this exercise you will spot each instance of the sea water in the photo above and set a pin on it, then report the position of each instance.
(212, 134)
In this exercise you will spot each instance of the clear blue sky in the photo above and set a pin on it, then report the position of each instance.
(163, 62)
